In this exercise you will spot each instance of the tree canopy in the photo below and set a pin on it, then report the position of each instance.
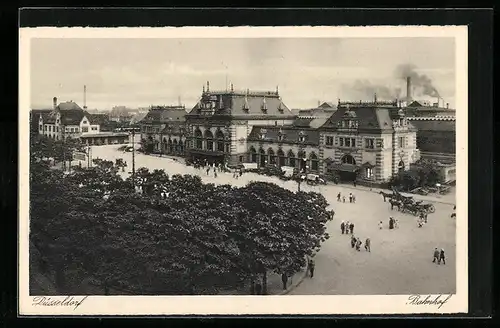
(170, 235)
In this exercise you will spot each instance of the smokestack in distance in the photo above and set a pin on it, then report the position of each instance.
(54, 102)
(408, 89)
(447, 105)
(85, 97)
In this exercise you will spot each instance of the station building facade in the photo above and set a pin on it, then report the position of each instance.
(220, 123)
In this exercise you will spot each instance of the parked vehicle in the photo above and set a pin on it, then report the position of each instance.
(314, 179)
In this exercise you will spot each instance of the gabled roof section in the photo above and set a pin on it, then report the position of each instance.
(242, 103)
(68, 105)
(289, 134)
(164, 114)
(369, 117)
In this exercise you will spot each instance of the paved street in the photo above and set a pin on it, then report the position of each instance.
(400, 261)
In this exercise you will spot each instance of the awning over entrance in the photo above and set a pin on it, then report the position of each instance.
(343, 167)
(206, 152)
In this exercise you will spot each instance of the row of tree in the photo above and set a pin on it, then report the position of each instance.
(160, 234)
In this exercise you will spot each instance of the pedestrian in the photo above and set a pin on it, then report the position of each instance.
(353, 198)
(367, 245)
(353, 241)
(441, 257)
(425, 217)
(311, 268)
(436, 255)
(338, 197)
(343, 199)
(380, 225)
(284, 279)
(347, 227)
(342, 227)
(351, 228)
(241, 172)
(391, 223)
(354, 183)
(350, 197)
(358, 244)
(208, 170)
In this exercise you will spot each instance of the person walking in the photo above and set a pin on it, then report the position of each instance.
(347, 227)
(284, 279)
(354, 183)
(350, 197)
(436, 256)
(342, 227)
(441, 257)
(208, 170)
(311, 267)
(351, 228)
(343, 199)
(391, 223)
(338, 197)
(215, 172)
(353, 241)
(367, 245)
(358, 244)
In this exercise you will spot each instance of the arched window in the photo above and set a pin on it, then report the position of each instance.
(253, 155)
(291, 158)
(314, 162)
(272, 157)
(210, 140)
(348, 159)
(181, 147)
(198, 138)
(281, 158)
(401, 166)
(262, 157)
(219, 136)
(176, 146)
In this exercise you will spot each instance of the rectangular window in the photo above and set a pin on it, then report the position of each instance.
(347, 142)
(85, 129)
(353, 142)
(329, 141)
(369, 172)
(401, 142)
(370, 143)
(302, 138)
(341, 142)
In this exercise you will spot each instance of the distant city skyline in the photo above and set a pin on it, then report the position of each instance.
(143, 72)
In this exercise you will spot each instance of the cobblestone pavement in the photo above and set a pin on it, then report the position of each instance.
(400, 261)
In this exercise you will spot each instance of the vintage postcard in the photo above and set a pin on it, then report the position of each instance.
(243, 171)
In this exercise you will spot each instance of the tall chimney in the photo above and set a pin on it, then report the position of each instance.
(375, 98)
(85, 97)
(408, 90)
(54, 102)
(447, 105)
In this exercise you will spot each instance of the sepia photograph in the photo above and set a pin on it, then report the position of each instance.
(256, 172)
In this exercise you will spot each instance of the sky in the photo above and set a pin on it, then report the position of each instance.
(144, 72)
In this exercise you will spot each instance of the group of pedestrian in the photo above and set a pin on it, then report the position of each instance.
(347, 227)
(356, 243)
(341, 198)
(438, 256)
(237, 173)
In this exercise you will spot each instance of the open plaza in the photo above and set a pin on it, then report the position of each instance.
(400, 261)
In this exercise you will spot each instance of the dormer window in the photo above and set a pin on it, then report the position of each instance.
(281, 135)
(302, 136)
(280, 107)
(245, 104)
(263, 133)
(264, 105)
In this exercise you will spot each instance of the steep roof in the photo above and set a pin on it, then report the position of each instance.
(290, 134)
(158, 115)
(68, 105)
(243, 104)
(73, 116)
(100, 119)
(435, 125)
(371, 117)
(313, 123)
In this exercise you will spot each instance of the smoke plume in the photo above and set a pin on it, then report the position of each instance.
(366, 90)
(420, 82)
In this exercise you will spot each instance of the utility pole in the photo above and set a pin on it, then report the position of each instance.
(133, 157)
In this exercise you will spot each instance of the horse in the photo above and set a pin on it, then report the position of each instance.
(395, 203)
(386, 195)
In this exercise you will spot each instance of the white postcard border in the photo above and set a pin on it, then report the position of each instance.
(247, 305)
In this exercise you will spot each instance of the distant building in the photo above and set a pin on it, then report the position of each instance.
(68, 120)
